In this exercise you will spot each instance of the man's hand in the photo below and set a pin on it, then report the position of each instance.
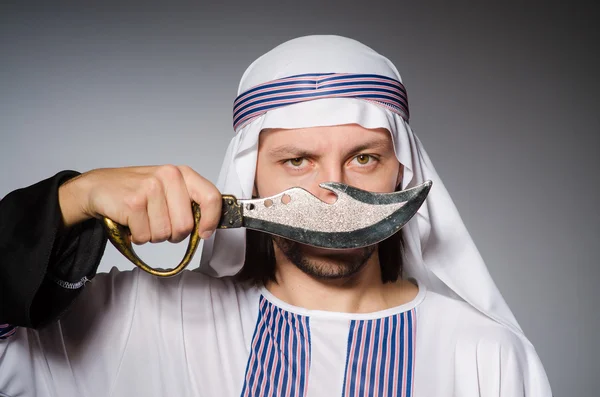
(154, 201)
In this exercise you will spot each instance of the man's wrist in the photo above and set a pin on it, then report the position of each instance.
(71, 198)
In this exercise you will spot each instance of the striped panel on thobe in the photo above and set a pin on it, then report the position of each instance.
(279, 359)
(380, 357)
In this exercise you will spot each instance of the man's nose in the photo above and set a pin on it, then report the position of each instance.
(329, 174)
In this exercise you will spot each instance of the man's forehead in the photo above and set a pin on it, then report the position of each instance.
(347, 134)
(307, 133)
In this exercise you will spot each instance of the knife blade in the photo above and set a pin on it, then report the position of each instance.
(357, 218)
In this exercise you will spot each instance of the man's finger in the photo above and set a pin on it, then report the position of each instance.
(203, 192)
(139, 226)
(178, 203)
(158, 217)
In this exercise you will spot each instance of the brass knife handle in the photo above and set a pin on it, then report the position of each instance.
(119, 237)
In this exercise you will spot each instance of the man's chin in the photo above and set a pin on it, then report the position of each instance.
(324, 263)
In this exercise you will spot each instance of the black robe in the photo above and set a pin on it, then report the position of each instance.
(42, 264)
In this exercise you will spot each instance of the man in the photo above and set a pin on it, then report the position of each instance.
(266, 316)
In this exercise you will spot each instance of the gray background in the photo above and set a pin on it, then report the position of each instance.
(504, 97)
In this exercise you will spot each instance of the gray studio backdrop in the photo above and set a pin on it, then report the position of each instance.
(503, 97)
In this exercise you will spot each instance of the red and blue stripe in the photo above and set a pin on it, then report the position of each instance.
(381, 90)
(7, 330)
(279, 360)
(380, 358)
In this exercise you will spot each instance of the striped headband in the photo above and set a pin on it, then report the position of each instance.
(380, 90)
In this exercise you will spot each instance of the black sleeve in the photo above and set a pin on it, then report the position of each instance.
(43, 266)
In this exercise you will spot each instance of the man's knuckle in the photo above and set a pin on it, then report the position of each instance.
(185, 227)
(162, 234)
(188, 224)
(178, 236)
(212, 198)
(152, 185)
(182, 226)
(140, 237)
(136, 201)
(184, 168)
(169, 172)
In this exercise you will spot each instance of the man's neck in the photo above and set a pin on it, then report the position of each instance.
(363, 292)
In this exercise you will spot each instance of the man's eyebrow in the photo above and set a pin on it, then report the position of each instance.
(290, 151)
(293, 151)
(374, 144)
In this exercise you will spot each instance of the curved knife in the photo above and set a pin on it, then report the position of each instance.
(356, 219)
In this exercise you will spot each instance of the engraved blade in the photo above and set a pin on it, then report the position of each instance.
(357, 219)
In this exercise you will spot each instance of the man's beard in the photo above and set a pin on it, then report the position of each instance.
(335, 265)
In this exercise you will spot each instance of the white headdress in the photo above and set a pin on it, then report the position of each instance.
(439, 251)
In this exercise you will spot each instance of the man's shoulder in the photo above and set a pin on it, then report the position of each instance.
(196, 282)
(454, 337)
(463, 324)
(138, 285)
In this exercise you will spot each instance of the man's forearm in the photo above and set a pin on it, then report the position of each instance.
(43, 264)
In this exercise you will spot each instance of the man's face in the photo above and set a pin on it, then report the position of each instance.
(360, 157)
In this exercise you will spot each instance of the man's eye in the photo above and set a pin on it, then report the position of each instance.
(297, 162)
(364, 159)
